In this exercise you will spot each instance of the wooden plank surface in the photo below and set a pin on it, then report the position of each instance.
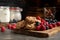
(45, 33)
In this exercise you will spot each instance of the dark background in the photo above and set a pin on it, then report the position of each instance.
(26, 4)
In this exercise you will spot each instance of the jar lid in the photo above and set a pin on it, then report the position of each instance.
(13, 8)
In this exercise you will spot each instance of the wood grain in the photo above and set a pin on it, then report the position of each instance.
(45, 33)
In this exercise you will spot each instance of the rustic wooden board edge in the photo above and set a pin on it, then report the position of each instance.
(28, 33)
(59, 28)
(38, 33)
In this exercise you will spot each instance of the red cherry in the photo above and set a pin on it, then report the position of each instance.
(42, 20)
(9, 26)
(38, 17)
(50, 26)
(58, 23)
(13, 27)
(43, 27)
(38, 28)
(3, 29)
(53, 24)
(46, 23)
(14, 24)
(41, 23)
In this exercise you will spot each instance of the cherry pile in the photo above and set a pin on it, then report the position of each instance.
(45, 25)
(40, 26)
(9, 26)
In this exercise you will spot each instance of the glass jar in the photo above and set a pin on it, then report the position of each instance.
(15, 14)
(4, 14)
(49, 14)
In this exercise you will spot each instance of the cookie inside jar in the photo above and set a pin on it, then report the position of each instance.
(49, 13)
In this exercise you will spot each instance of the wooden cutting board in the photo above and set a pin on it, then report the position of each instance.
(45, 33)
